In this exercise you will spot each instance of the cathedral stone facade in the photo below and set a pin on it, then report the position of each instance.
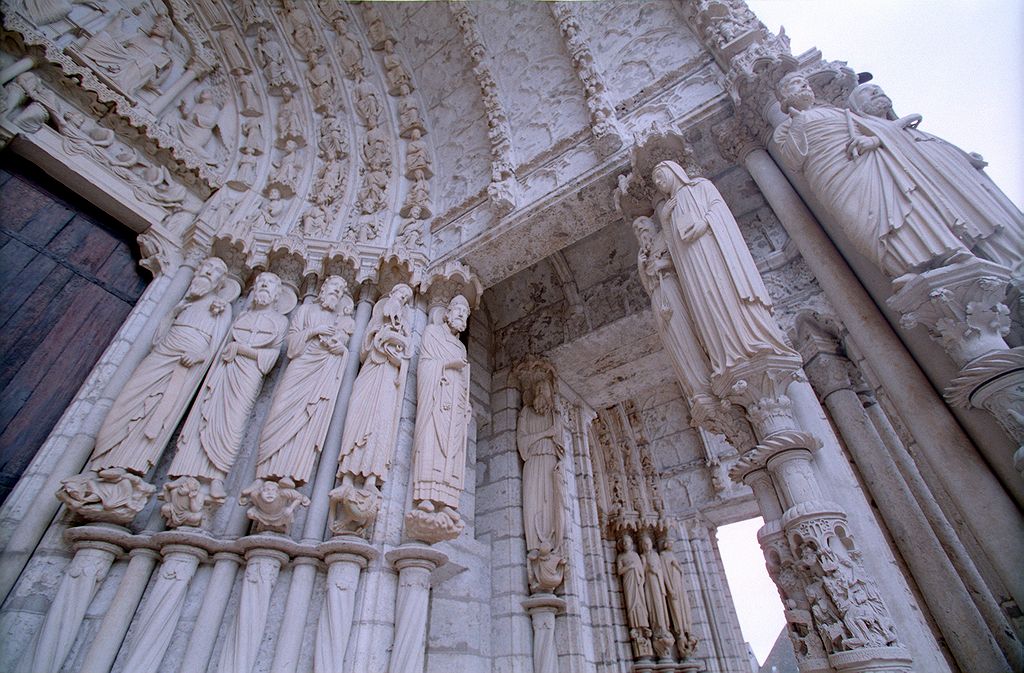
(470, 322)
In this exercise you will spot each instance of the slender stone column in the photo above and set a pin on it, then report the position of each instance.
(973, 642)
(262, 567)
(346, 557)
(103, 650)
(994, 520)
(542, 609)
(215, 602)
(300, 590)
(81, 580)
(414, 563)
(163, 606)
(73, 454)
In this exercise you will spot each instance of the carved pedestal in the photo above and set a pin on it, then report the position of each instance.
(961, 306)
(414, 563)
(832, 607)
(163, 606)
(542, 609)
(346, 556)
(263, 565)
(82, 578)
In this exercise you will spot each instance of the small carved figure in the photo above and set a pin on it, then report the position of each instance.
(273, 504)
(289, 121)
(417, 160)
(197, 125)
(270, 56)
(252, 134)
(398, 78)
(321, 81)
(251, 104)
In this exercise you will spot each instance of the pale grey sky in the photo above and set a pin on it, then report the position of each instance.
(956, 63)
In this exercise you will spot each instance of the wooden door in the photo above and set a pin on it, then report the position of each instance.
(68, 278)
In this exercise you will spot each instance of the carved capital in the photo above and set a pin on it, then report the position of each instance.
(961, 306)
(444, 282)
(733, 140)
(759, 385)
(995, 382)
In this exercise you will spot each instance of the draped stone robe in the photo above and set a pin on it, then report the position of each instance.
(143, 417)
(725, 293)
(303, 403)
(542, 480)
(887, 207)
(442, 417)
(630, 568)
(368, 441)
(212, 435)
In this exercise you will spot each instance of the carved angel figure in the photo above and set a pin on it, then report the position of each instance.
(212, 435)
(730, 305)
(293, 433)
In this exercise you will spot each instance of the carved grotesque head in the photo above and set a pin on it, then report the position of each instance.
(208, 277)
(869, 99)
(266, 289)
(332, 291)
(457, 313)
(794, 93)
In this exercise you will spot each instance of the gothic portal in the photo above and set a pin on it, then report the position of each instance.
(470, 322)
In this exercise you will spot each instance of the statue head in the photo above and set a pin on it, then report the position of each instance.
(668, 176)
(266, 289)
(543, 397)
(269, 490)
(457, 313)
(870, 100)
(646, 543)
(626, 542)
(332, 291)
(666, 544)
(207, 277)
(402, 293)
(794, 93)
(645, 230)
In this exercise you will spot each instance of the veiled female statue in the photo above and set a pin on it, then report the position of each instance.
(730, 305)
(371, 426)
(293, 434)
(212, 435)
(539, 439)
(659, 278)
(985, 220)
(857, 168)
(655, 592)
(443, 413)
(678, 603)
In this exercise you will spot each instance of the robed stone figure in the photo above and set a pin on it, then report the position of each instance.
(728, 301)
(655, 592)
(983, 218)
(539, 440)
(371, 426)
(860, 171)
(146, 412)
(678, 602)
(212, 435)
(443, 413)
(630, 569)
(296, 425)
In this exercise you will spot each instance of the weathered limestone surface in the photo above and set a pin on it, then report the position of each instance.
(573, 263)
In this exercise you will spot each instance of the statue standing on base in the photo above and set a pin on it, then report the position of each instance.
(371, 426)
(212, 435)
(443, 413)
(143, 417)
